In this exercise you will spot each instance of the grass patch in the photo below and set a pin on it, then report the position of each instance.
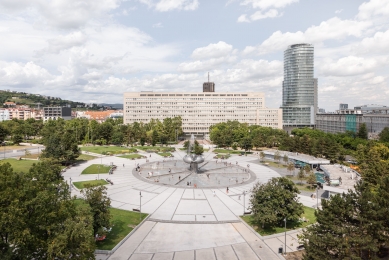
(123, 223)
(309, 213)
(228, 151)
(81, 184)
(31, 156)
(132, 156)
(108, 149)
(165, 154)
(305, 187)
(222, 156)
(85, 157)
(156, 148)
(96, 168)
(275, 164)
(19, 165)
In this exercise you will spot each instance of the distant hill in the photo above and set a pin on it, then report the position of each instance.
(23, 98)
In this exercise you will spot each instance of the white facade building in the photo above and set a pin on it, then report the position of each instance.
(4, 115)
(200, 110)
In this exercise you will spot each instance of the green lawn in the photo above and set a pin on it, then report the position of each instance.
(274, 164)
(132, 156)
(19, 165)
(81, 184)
(156, 148)
(165, 154)
(108, 149)
(123, 223)
(96, 168)
(229, 151)
(225, 156)
(309, 213)
(85, 157)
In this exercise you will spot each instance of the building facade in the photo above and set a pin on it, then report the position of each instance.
(200, 110)
(54, 113)
(299, 88)
(375, 117)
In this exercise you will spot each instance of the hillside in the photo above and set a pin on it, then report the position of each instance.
(22, 98)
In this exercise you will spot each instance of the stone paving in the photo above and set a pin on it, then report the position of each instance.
(186, 223)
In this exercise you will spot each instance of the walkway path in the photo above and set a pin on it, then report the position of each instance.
(185, 223)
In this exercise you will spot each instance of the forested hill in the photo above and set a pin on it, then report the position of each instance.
(22, 98)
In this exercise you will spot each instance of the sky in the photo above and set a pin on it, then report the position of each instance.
(95, 50)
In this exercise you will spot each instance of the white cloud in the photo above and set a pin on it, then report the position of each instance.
(63, 13)
(339, 11)
(157, 25)
(209, 64)
(22, 74)
(213, 50)
(377, 44)
(265, 4)
(349, 66)
(373, 8)
(243, 19)
(258, 15)
(169, 5)
(63, 42)
(332, 29)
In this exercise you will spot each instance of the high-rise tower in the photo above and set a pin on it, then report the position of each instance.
(299, 88)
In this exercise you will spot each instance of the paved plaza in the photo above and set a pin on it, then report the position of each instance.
(187, 222)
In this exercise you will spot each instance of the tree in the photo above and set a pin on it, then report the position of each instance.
(301, 175)
(352, 225)
(186, 144)
(307, 169)
(384, 135)
(362, 132)
(311, 179)
(277, 156)
(38, 219)
(154, 138)
(234, 145)
(262, 155)
(117, 138)
(99, 202)
(274, 201)
(17, 139)
(3, 133)
(198, 149)
(246, 143)
(285, 159)
(290, 167)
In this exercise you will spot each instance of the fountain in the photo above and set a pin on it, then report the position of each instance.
(192, 158)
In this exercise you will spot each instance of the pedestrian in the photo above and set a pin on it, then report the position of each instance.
(150, 155)
(179, 178)
(239, 197)
(214, 194)
(170, 170)
(123, 165)
(190, 183)
(227, 190)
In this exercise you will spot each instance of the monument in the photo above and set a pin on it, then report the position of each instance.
(191, 158)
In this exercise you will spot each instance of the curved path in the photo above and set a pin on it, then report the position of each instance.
(184, 223)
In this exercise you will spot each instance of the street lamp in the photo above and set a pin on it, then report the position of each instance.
(70, 185)
(285, 235)
(317, 197)
(244, 202)
(140, 206)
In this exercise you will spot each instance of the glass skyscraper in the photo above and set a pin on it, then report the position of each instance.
(299, 88)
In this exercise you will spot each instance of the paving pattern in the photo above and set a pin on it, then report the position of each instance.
(184, 222)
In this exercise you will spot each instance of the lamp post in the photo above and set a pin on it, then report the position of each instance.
(244, 202)
(285, 235)
(140, 206)
(317, 197)
(70, 186)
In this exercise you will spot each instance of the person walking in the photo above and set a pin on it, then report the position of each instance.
(214, 193)
(227, 190)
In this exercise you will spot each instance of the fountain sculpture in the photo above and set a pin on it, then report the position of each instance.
(192, 158)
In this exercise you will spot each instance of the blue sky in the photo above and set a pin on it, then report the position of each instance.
(94, 50)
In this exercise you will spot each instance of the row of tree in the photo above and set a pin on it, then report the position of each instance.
(308, 141)
(355, 225)
(40, 220)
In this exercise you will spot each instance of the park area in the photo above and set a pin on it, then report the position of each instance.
(19, 165)
(82, 184)
(107, 150)
(307, 218)
(96, 169)
(123, 222)
(132, 156)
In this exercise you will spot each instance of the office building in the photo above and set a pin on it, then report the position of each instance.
(299, 88)
(200, 110)
(375, 117)
(55, 113)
